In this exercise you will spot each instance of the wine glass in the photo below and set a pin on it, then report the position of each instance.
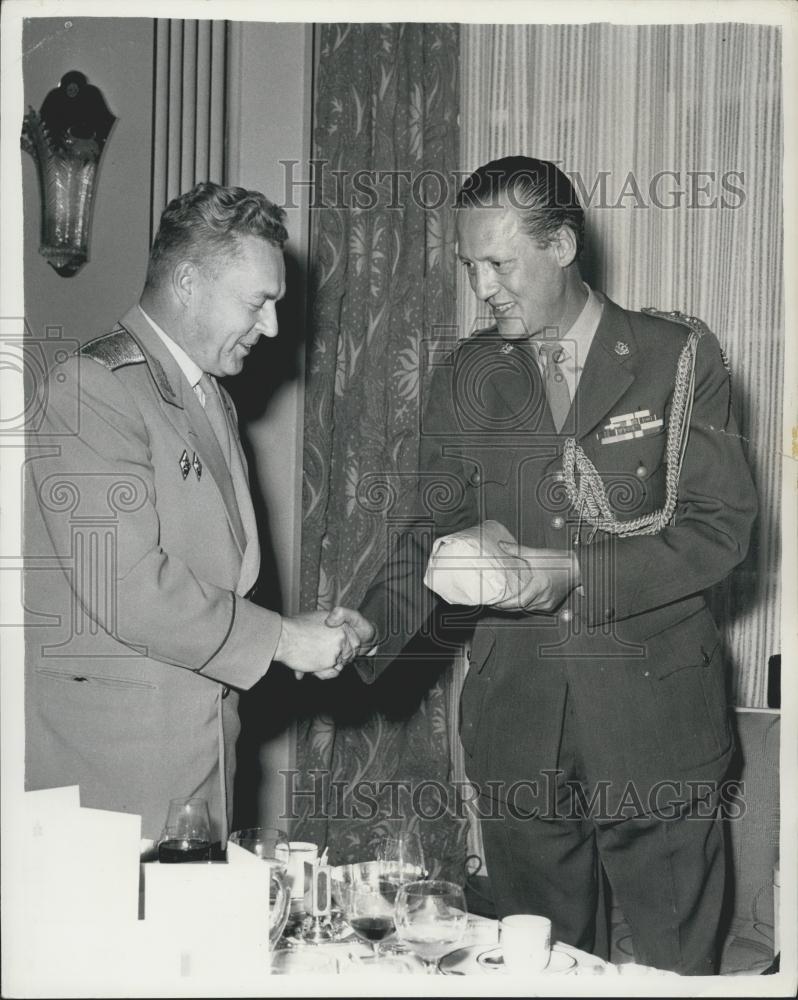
(403, 858)
(186, 835)
(367, 899)
(431, 918)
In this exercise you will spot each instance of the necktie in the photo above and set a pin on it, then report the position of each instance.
(552, 356)
(215, 413)
(217, 418)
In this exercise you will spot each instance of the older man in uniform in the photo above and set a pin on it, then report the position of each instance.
(138, 487)
(594, 717)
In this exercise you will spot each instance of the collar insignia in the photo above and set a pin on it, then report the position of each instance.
(185, 465)
(621, 348)
(161, 379)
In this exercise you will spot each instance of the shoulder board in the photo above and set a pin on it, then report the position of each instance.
(696, 325)
(113, 350)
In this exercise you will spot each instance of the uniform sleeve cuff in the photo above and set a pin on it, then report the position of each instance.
(245, 655)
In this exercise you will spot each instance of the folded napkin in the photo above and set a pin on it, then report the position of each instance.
(468, 567)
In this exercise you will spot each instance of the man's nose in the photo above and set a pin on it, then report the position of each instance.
(485, 282)
(267, 320)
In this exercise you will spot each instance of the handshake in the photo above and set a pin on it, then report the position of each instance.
(322, 643)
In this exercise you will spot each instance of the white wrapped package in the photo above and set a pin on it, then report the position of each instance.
(469, 568)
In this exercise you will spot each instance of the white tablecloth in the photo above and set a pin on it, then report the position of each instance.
(345, 956)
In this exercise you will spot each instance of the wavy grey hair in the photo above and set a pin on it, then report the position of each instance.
(205, 225)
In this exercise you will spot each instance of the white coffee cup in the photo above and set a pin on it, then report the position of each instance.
(301, 851)
(525, 942)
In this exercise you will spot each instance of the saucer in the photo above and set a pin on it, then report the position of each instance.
(479, 960)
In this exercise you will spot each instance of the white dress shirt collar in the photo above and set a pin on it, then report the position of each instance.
(189, 368)
(576, 342)
(579, 338)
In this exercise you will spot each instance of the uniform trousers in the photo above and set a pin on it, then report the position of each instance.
(666, 874)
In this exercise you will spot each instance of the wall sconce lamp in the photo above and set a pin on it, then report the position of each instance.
(66, 140)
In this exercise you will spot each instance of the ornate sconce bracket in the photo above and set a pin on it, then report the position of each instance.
(66, 139)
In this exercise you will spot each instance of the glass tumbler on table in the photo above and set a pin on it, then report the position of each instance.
(271, 846)
(264, 842)
(431, 918)
(186, 834)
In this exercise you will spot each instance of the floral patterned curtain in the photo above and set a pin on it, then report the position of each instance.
(375, 756)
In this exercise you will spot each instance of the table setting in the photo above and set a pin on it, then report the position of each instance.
(387, 916)
(184, 917)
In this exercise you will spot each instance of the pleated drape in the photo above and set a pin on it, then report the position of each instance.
(674, 134)
(189, 108)
(382, 294)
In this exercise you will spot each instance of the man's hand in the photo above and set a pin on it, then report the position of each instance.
(308, 645)
(359, 630)
(545, 577)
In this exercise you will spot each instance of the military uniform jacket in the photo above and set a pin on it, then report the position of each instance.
(634, 647)
(138, 630)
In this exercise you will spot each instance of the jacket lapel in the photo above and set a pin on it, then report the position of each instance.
(515, 391)
(187, 416)
(608, 371)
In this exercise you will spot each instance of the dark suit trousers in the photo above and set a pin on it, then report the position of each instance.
(666, 874)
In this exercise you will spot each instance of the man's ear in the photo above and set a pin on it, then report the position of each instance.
(185, 276)
(564, 245)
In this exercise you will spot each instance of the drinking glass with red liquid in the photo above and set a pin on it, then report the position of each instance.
(186, 834)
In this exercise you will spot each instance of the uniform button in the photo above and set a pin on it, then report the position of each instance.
(641, 472)
(609, 613)
(476, 478)
(558, 522)
(559, 477)
(225, 691)
(566, 615)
